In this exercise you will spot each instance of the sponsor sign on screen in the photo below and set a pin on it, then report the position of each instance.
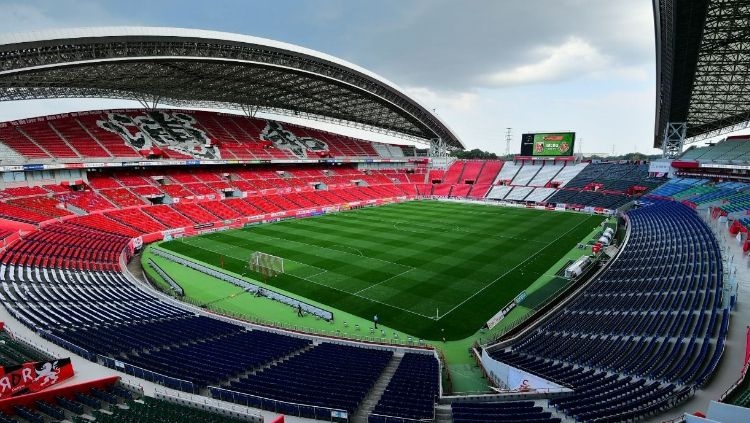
(548, 144)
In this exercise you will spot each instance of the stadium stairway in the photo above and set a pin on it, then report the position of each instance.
(443, 414)
(372, 397)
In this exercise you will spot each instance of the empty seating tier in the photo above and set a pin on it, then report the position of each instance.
(412, 391)
(500, 412)
(642, 334)
(172, 134)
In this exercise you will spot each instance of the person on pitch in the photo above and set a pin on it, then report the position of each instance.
(375, 320)
(299, 310)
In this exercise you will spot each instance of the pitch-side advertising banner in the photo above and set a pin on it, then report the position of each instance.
(509, 377)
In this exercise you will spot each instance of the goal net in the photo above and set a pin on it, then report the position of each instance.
(266, 264)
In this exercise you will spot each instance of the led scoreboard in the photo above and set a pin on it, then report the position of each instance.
(548, 144)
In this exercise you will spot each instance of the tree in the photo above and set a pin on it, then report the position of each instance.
(474, 154)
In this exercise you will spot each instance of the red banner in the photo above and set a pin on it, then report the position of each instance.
(33, 377)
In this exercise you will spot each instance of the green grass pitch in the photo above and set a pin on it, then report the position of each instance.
(427, 268)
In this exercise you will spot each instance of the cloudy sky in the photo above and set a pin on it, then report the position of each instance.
(483, 65)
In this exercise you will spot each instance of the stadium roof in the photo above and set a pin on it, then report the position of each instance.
(196, 68)
(703, 66)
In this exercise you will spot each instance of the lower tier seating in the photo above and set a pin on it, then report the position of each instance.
(110, 404)
(412, 391)
(328, 375)
(645, 332)
(13, 352)
(500, 412)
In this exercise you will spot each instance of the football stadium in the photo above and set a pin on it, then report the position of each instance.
(196, 260)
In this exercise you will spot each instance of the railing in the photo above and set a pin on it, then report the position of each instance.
(736, 384)
(282, 407)
(384, 418)
(29, 344)
(250, 287)
(67, 345)
(168, 381)
(209, 404)
(172, 283)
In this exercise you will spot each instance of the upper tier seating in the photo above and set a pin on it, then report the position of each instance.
(109, 140)
(21, 144)
(43, 135)
(677, 185)
(614, 176)
(732, 149)
(654, 319)
(130, 134)
(78, 138)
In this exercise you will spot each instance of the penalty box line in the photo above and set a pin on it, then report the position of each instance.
(222, 251)
(338, 251)
(331, 287)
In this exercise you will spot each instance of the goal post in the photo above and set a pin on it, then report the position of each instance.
(266, 264)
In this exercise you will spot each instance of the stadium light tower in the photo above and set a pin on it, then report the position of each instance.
(508, 139)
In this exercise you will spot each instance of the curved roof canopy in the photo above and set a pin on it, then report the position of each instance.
(196, 68)
(703, 66)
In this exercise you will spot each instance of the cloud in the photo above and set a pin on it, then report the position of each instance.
(483, 65)
(24, 16)
(437, 100)
(571, 59)
(450, 45)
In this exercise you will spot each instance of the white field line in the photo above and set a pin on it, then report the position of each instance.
(351, 248)
(385, 280)
(221, 251)
(511, 269)
(338, 251)
(454, 228)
